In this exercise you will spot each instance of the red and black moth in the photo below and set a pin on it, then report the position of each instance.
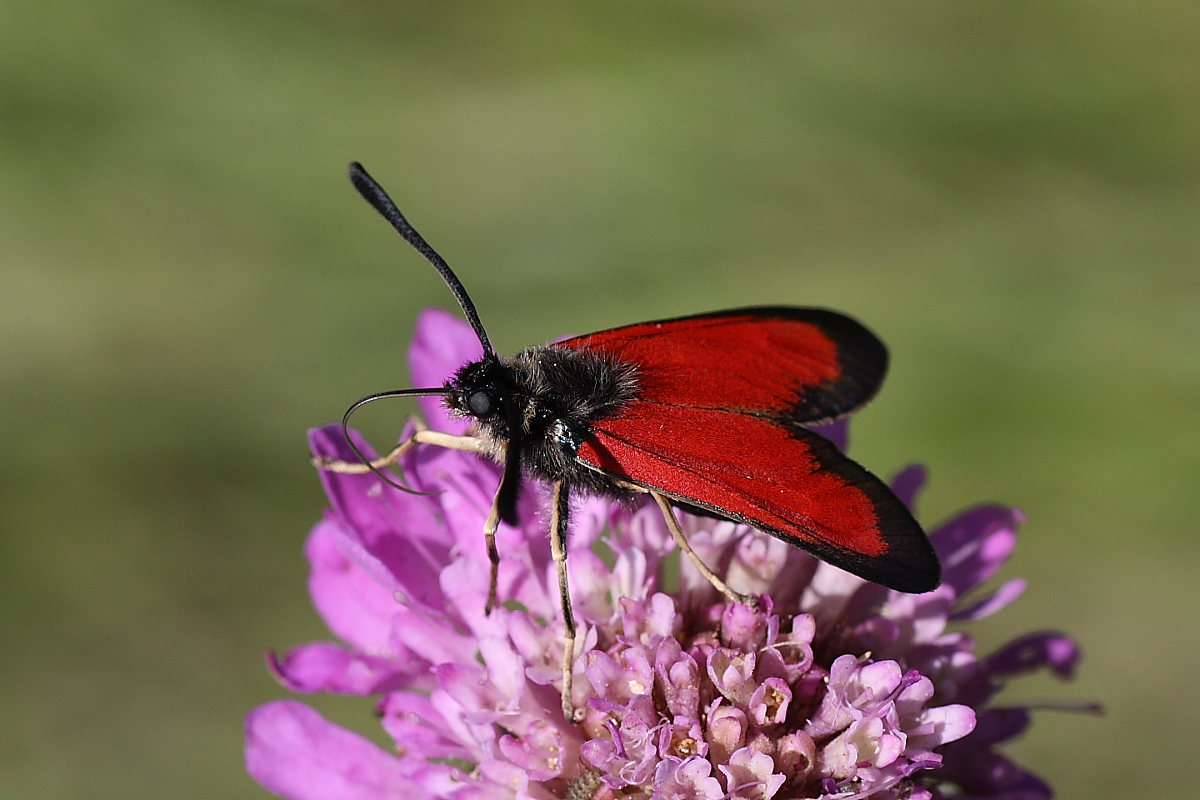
(707, 413)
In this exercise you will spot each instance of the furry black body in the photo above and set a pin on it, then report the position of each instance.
(537, 408)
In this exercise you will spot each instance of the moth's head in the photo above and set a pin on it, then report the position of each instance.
(480, 391)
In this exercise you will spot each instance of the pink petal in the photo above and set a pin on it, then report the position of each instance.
(432, 639)
(677, 676)
(743, 627)
(732, 674)
(690, 779)
(726, 731)
(829, 592)
(996, 725)
(908, 483)
(538, 750)
(974, 545)
(441, 344)
(751, 775)
(398, 538)
(769, 703)
(419, 729)
(837, 432)
(1035, 650)
(465, 585)
(591, 586)
(505, 667)
(356, 607)
(990, 604)
(480, 701)
(940, 725)
(535, 644)
(797, 753)
(327, 667)
(296, 753)
(465, 484)
(509, 780)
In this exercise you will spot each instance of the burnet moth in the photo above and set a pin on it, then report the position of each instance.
(707, 413)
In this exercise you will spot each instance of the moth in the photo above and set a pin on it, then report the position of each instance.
(708, 413)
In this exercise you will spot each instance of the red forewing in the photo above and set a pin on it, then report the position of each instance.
(796, 364)
(790, 483)
(715, 423)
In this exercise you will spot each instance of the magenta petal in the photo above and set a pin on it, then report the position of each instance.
(441, 344)
(769, 703)
(974, 545)
(1000, 724)
(732, 674)
(295, 752)
(908, 483)
(508, 780)
(837, 432)
(677, 676)
(750, 774)
(943, 724)
(1029, 787)
(1035, 650)
(983, 773)
(431, 639)
(327, 667)
(465, 485)
(589, 517)
(726, 731)
(418, 728)
(997, 600)
(743, 627)
(355, 606)
(591, 580)
(399, 538)
(538, 750)
(690, 779)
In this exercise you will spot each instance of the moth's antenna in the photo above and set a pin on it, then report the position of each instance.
(374, 194)
(371, 398)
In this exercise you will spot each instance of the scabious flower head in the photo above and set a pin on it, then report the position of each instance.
(832, 687)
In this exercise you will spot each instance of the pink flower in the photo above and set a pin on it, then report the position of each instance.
(832, 687)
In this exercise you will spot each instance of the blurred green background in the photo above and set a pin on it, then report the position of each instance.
(1007, 193)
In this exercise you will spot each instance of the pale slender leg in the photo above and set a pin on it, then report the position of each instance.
(558, 549)
(450, 441)
(490, 525)
(718, 584)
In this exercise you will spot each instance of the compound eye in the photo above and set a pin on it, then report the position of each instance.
(481, 403)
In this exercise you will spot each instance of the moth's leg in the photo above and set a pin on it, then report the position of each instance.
(450, 441)
(490, 525)
(718, 584)
(503, 508)
(558, 549)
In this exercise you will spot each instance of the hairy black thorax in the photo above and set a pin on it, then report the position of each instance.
(545, 399)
